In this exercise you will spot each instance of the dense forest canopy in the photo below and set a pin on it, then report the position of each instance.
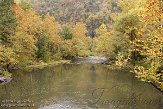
(75, 10)
(91, 12)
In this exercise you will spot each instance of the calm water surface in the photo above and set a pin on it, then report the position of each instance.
(78, 86)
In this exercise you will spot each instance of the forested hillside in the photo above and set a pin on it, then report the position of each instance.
(91, 12)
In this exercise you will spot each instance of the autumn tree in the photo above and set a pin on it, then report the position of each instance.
(43, 31)
(24, 39)
(126, 24)
(83, 42)
(8, 58)
(80, 31)
(30, 24)
(103, 43)
(78, 44)
(102, 30)
(24, 45)
(52, 30)
(150, 42)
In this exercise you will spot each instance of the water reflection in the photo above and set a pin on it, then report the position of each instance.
(93, 75)
(78, 86)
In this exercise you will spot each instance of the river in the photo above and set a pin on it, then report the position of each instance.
(78, 86)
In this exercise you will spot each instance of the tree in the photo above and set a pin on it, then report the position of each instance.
(8, 58)
(30, 24)
(79, 30)
(82, 41)
(66, 32)
(7, 21)
(127, 23)
(43, 32)
(101, 30)
(103, 43)
(42, 44)
(52, 27)
(26, 6)
(150, 42)
(24, 45)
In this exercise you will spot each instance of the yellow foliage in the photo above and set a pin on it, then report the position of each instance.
(150, 41)
(79, 31)
(17, 1)
(102, 30)
(121, 60)
(24, 43)
(103, 43)
(28, 20)
(7, 57)
(52, 27)
(32, 26)
(74, 48)
(128, 5)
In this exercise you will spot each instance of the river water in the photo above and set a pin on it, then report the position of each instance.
(78, 86)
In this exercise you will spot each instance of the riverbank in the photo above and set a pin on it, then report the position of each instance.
(130, 68)
(37, 65)
(41, 65)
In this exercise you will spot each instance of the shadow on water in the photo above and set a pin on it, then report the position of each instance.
(78, 86)
(93, 74)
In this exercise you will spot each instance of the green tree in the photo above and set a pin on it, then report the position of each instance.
(42, 45)
(66, 32)
(7, 21)
(127, 24)
(25, 5)
(103, 43)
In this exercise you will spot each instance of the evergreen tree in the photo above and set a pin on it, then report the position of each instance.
(7, 21)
